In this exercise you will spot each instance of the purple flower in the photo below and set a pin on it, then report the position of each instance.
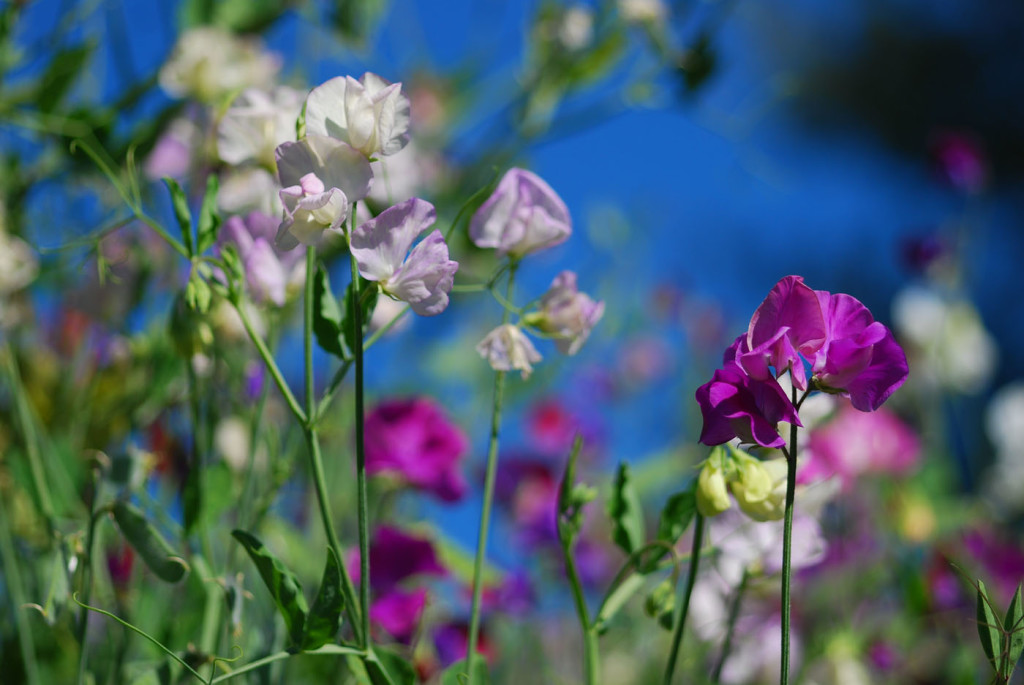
(567, 313)
(787, 324)
(399, 613)
(860, 356)
(735, 405)
(415, 441)
(960, 160)
(523, 215)
(424, 277)
(396, 557)
(270, 273)
(320, 178)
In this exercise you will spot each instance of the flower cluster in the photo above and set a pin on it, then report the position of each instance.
(522, 216)
(847, 351)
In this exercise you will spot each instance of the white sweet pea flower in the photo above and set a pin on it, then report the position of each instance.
(249, 189)
(256, 123)
(424, 277)
(371, 114)
(321, 177)
(208, 63)
(18, 264)
(507, 348)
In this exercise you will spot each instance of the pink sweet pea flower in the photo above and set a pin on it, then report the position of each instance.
(567, 313)
(787, 324)
(415, 441)
(856, 442)
(399, 613)
(860, 356)
(424, 277)
(270, 273)
(321, 178)
(736, 405)
(506, 348)
(523, 215)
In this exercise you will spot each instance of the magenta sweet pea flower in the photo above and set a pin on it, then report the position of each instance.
(736, 405)
(424, 277)
(523, 215)
(270, 273)
(860, 356)
(413, 440)
(787, 324)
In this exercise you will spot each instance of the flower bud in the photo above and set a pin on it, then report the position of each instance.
(712, 495)
(760, 488)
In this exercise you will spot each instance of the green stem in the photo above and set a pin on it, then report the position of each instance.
(268, 358)
(677, 637)
(90, 540)
(326, 650)
(16, 595)
(489, 483)
(734, 613)
(787, 548)
(591, 660)
(315, 457)
(361, 487)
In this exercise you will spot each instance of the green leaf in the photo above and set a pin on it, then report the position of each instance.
(327, 316)
(458, 673)
(283, 585)
(61, 73)
(368, 294)
(209, 219)
(988, 627)
(325, 616)
(617, 599)
(159, 556)
(626, 513)
(388, 668)
(661, 603)
(677, 514)
(1013, 624)
(181, 212)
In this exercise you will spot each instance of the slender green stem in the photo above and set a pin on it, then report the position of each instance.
(677, 637)
(489, 483)
(268, 359)
(591, 657)
(361, 487)
(787, 548)
(16, 595)
(326, 650)
(730, 630)
(315, 457)
(90, 540)
(28, 430)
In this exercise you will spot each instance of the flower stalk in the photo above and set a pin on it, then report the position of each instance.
(691, 579)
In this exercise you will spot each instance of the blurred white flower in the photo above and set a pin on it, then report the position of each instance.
(209, 63)
(249, 189)
(256, 123)
(507, 348)
(1004, 418)
(576, 29)
(948, 343)
(642, 11)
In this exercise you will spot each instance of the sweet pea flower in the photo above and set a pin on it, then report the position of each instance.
(860, 356)
(735, 405)
(249, 189)
(320, 178)
(424, 277)
(270, 274)
(414, 440)
(855, 443)
(712, 492)
(256, 123)
(371, 114)
(760, 489)
(787, 324)
(208, 63)
(507, 348)
(567, 313)
(523, 215)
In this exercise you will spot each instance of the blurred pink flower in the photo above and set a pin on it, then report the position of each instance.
(270, 273)
(414, 440)
(855, 443)
(960, 160)
(567, 313)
